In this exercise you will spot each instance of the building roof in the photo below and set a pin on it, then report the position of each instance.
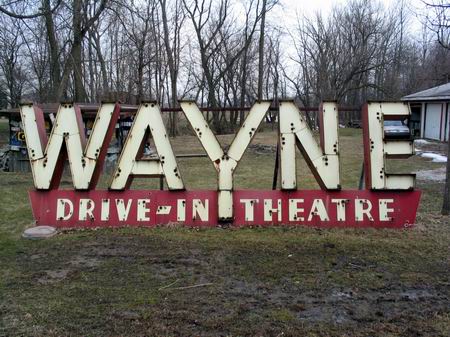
(439, 93)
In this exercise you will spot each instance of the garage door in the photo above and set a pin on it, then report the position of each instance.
(433, 121)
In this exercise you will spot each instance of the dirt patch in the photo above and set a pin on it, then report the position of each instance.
(53, 276)
(82, 261)
(433, 175)
(338, 306)
(171, 283)
(353, 307)
(431, 146)
(262, 149)
(66, 269)
(126, 315)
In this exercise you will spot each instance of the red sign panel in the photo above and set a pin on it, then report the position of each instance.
(317, 208)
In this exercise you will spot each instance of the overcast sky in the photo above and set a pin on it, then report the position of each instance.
(285, 15)
(325, 5)
(289, 8)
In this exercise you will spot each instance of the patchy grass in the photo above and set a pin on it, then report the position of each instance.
(230, 282)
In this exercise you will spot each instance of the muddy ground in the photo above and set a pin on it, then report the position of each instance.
(229, 282)
(223, 282)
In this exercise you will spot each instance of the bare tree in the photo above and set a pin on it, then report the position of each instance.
(81, 24)
(44, 10)
(209, 50)
(438, 18)
(214, 28)
(13, 71)
(173, 52)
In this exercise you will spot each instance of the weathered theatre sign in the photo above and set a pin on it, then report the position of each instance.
(389, 200)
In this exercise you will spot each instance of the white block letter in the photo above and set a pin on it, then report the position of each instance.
(61, 209)
(201, 210)
(294, 210)
(225, 162)
(318, 208)
(323, 159)
(122, 210)
(268, 210)
(86, 209)
(148, 118)
(249, 208)
(340, 208)
(142, 210)
(377, 148)
(360, 210)
(384, 210)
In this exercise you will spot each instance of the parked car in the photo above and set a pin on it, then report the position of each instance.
(354, 123)
(396, 129)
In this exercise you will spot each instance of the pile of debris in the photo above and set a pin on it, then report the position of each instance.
(4, 158)
(262, 149)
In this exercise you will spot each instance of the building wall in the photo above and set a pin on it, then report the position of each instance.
(447, 123)
(435, 121)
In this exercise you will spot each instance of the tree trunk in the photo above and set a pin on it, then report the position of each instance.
(80, 94)
(172, 68)
(261, 50)
(243, 86)
(101, 60)
(92, 72)
(55, 69)
(446, 203)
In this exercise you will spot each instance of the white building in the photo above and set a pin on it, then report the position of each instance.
(431, 109)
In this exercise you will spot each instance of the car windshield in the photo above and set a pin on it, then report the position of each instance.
(393, 123)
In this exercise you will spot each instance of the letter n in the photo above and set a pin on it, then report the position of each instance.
(323, 159)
